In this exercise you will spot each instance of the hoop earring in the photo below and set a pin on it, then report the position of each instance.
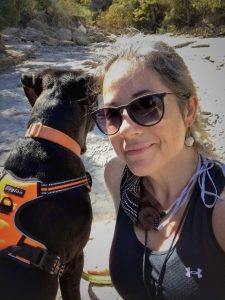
(189, 140)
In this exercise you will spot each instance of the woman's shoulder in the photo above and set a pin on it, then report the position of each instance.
(113, 174)
(219, 220)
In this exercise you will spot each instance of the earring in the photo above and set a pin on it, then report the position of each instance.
(189, 140)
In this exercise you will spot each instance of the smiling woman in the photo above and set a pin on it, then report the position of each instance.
(166, 183)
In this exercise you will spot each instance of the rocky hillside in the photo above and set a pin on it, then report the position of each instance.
(38, 29)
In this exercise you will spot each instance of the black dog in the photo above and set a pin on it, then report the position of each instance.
(59, 220)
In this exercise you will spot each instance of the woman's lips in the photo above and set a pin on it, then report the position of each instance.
(134, 150)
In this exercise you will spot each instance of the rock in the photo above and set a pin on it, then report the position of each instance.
(25, 17)
(9, 33)
(12, 57)
(80, 38)
(31, 34)
(43, 17)
(38, 37)
(66, 43)
(36, 24)
(97, 36)
(64, 34)
(49, 41)
(81, 28)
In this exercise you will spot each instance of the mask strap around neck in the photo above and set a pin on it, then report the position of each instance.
(207, 165)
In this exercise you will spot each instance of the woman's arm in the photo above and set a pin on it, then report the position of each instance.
(113, 175)
(218, 221)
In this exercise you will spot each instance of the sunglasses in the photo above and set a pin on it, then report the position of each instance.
(146, 110)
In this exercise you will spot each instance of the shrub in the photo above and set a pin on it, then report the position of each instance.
(119, 16)
(150, 14)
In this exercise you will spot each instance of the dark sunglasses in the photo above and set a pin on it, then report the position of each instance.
(146, 110)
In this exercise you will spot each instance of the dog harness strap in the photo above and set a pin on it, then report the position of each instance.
(41, 258)
(16, 192)
(9, 250)
(56, 187)
(38, 130)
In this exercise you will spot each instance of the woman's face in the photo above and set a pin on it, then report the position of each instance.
(144, 149)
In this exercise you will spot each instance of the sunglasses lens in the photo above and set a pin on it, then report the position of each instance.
(108, 120)
(147, 110)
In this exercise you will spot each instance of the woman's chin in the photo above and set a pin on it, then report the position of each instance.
(143, 166)
(140, 168)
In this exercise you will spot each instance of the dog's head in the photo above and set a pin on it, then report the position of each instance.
(62, 99)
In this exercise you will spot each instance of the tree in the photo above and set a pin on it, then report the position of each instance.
(149, 14)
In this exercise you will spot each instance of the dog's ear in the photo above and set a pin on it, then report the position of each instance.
(29, 88)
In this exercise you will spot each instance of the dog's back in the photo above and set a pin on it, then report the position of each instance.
(61, 221)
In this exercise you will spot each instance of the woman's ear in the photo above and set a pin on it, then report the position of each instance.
(191, 111)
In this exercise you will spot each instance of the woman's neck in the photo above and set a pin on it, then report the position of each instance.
(167, 184)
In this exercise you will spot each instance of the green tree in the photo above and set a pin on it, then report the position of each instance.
(119, 15)
(149, 14)
(44, 4)
(182, 13)
(9, 13)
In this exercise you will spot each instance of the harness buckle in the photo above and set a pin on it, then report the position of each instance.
(50, 263)
(34, 130)
(58, 267)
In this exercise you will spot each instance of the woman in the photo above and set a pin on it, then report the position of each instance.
(168, 189)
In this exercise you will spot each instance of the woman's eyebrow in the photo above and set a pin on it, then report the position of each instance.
(139, 93)
(142, 92)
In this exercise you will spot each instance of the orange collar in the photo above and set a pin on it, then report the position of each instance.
(38, 130)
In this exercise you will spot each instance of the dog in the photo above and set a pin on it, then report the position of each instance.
(58, 219)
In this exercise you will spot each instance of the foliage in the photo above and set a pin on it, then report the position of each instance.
(119, 15)
(191, 13)
(150, 15)
(182, 13)
(61, 10)
(8, 13)
(43, 4)
(160, 15)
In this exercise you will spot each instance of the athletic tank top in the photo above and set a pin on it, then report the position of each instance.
(194, 271)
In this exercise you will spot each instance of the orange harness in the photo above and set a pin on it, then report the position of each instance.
(15, 193)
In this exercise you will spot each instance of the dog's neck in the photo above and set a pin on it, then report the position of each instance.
(38, 130)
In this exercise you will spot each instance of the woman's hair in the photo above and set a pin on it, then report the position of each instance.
(168, 64)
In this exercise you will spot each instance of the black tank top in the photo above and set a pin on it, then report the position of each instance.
(194, 271)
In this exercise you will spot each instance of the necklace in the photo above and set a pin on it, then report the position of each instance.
(182, 199)
(151, 214)
(130, 194)
(168, 255)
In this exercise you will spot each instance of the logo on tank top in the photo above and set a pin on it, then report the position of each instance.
(190, 273)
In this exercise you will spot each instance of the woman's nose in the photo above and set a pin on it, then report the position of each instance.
(128, 126)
